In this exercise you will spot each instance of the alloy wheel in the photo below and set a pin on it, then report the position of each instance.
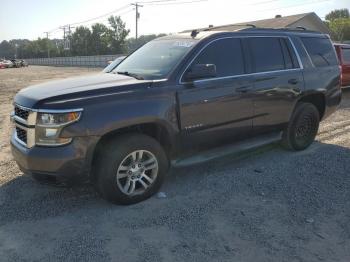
(137, 172)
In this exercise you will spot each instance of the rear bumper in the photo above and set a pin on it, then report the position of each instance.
(65, 164)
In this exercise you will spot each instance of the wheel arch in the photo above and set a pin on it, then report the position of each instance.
(318, 99)
(158, 130)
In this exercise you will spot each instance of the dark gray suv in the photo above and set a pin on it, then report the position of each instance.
(174, 101)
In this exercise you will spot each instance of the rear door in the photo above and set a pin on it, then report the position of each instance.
(345, 55)
(278, 80)
(219, 109)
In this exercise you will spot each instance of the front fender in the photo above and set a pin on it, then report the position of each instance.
(104, 116)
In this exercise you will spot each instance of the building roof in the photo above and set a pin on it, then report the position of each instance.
(278, 22)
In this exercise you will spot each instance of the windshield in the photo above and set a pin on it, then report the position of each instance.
(112, 65)
(155, 59)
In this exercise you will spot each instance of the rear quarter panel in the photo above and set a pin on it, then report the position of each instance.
(325, 80)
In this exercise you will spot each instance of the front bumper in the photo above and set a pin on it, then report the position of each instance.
(64, 164)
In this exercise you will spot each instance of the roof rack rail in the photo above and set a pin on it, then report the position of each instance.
(194, 33)
(251, 25)
(299, 28)
(213, 27)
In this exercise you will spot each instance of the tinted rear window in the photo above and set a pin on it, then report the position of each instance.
(267, 54)
(226, 54)
(320, 50)
(346, 55)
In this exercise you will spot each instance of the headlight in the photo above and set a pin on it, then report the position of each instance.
(50, 125)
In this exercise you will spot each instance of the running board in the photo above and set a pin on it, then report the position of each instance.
(219, 152)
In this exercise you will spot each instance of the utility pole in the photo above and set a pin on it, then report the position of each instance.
(66, 36)
(48, 44)
(137, 16)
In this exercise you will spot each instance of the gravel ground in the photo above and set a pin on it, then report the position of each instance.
(268, 205)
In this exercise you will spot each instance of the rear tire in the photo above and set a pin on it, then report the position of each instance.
(302, 127)
(130, 169)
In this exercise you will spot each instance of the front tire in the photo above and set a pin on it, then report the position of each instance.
(302, 128)
(130, 169)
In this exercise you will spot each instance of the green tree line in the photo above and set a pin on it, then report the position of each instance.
(103, 39)
(100, 39)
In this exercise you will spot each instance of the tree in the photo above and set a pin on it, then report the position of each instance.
(133, 44)
(117, 35)
(339, 24)
(81, 41)
(7, 50)
(340, 29)
(338, 13)
(99, 39)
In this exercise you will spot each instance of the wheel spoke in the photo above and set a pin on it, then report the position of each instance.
(152, 166)
(134, 156)
(150, 180)
(127, 185)
(140, 154)
(122, 175)
(123, 168)
(143, 184)
(132, 188)
(148, 161)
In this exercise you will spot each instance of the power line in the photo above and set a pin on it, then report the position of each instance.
(157, 1)
(94, 18)
(101, 16)
(105, 20)
(176, 3)
(264, 2)
(307, 3)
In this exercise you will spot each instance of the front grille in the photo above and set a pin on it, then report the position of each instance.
(22, 113)
(21, 134)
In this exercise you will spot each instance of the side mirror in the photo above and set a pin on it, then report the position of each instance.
(200, 71)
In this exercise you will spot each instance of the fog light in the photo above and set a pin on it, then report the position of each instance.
(50, 132)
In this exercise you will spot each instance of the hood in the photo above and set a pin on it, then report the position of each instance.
(78, 86)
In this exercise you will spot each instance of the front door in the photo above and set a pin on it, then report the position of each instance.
(217, 110)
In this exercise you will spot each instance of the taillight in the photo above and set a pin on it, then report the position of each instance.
(341, 75)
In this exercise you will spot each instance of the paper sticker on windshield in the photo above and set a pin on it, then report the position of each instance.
(183, 43)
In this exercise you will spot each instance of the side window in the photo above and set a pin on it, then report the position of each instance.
(346, 55)
(320, 50)
(288, 62)
(267, 53)
(290, 57)
(225, 54)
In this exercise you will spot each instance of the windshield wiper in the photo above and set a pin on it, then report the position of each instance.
(138, 77)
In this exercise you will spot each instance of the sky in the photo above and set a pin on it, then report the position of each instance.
(29, 19)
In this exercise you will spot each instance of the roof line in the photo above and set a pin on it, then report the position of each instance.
(304, 15)
(315, 16)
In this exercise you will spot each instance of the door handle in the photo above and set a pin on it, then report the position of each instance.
(243, 89)
(293, 81)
